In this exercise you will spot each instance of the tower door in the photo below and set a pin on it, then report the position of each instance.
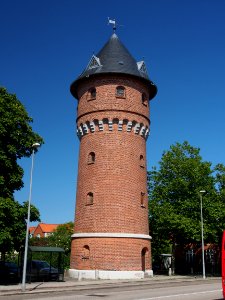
(143, 259)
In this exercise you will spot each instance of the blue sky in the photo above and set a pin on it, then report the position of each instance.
(46, 44)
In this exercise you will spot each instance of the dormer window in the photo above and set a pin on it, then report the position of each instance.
(120, 91)
(142, 67)
(94, 63)
(144, 99)
(91, 94)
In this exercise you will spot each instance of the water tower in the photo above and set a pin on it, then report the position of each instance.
(111, 233)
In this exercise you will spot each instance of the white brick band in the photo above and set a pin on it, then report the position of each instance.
(111, 235)
(99, 125)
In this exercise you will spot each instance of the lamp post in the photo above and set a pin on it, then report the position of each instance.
(201, 193)
(34, 146)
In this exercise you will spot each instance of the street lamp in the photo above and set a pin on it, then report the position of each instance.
(34, 146)
(201, 193)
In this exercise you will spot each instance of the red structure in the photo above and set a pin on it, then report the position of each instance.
(223, 264)
(42, 230)
(111, 234)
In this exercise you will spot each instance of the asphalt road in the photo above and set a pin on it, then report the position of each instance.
(195, 290)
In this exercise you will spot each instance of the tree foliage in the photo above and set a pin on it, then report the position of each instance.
(16, 139)
(13, 223)
(174, 200)
(61, 237)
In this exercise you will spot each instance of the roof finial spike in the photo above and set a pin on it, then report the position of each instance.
(113, 22)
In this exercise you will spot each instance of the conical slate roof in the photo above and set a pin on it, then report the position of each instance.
(115, 58)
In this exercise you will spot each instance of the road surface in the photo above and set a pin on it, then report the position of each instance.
(192, 290)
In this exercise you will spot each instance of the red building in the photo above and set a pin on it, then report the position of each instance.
(111, 233)
(42, 230)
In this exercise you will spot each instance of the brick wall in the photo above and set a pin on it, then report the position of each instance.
(112, 254)
(38, 232)
(112, 189)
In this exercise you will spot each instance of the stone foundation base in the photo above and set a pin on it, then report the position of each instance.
(101, 274)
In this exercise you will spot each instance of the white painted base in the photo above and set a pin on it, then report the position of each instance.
(101, 274)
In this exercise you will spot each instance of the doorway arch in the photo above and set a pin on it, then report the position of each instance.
(144, 254)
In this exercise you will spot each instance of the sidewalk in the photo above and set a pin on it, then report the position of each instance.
(73, 284)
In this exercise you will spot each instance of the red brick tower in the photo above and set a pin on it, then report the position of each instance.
(111, 234)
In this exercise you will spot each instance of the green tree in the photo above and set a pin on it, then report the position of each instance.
(13, 223)
(61, 237)
(16, 139)
(174, 201)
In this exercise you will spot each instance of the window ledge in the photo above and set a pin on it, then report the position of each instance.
(85, 257)
(121, 97)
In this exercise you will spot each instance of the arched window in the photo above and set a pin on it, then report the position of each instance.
(91, 158)
(86, 252)
(142, 199)
(120, 91)
(142, 161)
(144, 99)
(90, 198)
(91, 94)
